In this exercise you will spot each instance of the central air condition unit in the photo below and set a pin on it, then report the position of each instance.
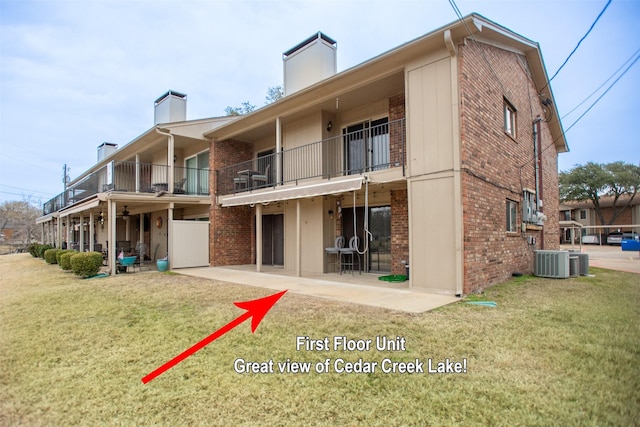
(553, 264)
(584, 262)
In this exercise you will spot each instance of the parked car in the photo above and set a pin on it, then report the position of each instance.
(616, 238)
(591, 239)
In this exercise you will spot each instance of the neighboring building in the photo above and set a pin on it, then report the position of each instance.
(437, 154)
(584, 214)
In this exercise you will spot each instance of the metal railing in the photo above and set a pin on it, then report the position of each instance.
(369, 149)
(132, 177)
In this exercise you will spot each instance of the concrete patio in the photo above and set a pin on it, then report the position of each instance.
(363, 288)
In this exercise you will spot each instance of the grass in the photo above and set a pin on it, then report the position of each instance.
(73, 351)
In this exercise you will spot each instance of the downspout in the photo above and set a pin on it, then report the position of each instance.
(537, 152)
(170, 154)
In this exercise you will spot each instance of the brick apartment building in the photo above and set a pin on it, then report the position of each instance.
(439, 155)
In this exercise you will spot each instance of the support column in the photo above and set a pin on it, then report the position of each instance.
(169, 231)
(59, 232)
(170, 165)
(298, 239)
(278, 150)
(137, 173)
(112, 236)
(81, 242)
(91, 231)
(141, 237)
(259, 237)
(127, 229)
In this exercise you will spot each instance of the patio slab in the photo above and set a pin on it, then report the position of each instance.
(337, 290)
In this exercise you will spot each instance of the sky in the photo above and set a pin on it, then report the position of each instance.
(77, 73)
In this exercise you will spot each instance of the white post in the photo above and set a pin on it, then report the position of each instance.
(81, 242)
(91, 231)
(298, 239)
(259, 237)
(169, 231)
(112, 236)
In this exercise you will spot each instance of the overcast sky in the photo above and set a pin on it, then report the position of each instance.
(76, 73)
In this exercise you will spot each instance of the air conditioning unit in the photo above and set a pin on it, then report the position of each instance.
(552, 264)
(584, 262)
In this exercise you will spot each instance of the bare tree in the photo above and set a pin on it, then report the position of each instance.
(18, 222)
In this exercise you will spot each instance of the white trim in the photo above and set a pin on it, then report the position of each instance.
(293, 192)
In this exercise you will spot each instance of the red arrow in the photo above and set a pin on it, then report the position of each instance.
(257, 309)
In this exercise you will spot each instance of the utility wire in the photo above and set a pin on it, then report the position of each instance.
(604, 83)
(604, 93)
(578, 45)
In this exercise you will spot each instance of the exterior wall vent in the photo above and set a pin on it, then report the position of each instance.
(106, 149)
(170, 107)
(553, 264)
(309, 62)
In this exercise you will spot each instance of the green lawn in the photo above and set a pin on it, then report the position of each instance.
(73, 352)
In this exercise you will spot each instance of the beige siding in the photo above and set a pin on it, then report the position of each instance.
(190, 240)
(430, 128)
(432, 241)
(312, 224)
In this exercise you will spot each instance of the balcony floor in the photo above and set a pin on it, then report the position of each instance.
(363, 288)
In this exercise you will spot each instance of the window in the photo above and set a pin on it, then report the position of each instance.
(583, 214)
(509, 118)
(197, 174)
(366, 146)
(512, 220)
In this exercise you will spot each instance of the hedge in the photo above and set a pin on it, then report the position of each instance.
(34, 249)
(42, 249)
(86, 264)
(65, 259)
(60, 253)
(50, 256)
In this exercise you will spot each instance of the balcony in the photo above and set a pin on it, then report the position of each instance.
(366, 150)
(132, 177)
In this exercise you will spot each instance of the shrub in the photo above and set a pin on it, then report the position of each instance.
(50, 256)
(65, 259)
(60, 253)
(34, 249)
(86, 264)
(42, 249)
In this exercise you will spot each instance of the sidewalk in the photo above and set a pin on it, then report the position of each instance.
(610, 257)
(376, 296)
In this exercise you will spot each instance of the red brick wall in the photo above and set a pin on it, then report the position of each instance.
(397, 152)
(231, 234)
(497, 167)
(399, 230)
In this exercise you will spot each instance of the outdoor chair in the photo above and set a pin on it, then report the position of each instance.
(335, 253)
(240, 183)
(350, 253)
(178, 188)
(261, 180)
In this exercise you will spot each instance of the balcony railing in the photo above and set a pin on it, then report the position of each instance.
(366, 150)
(132, 177)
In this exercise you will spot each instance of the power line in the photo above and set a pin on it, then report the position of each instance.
(581, 40)
(604, 83)
(604, 93)
(26, 189)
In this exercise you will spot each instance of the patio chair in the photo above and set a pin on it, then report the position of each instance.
(126, 262)
(350, 253)
(335, 252)
(240, 183)
(178, 187)
(261, 180)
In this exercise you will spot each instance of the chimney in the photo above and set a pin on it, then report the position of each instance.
(106, 149)
(170, 107)
(309, 62)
